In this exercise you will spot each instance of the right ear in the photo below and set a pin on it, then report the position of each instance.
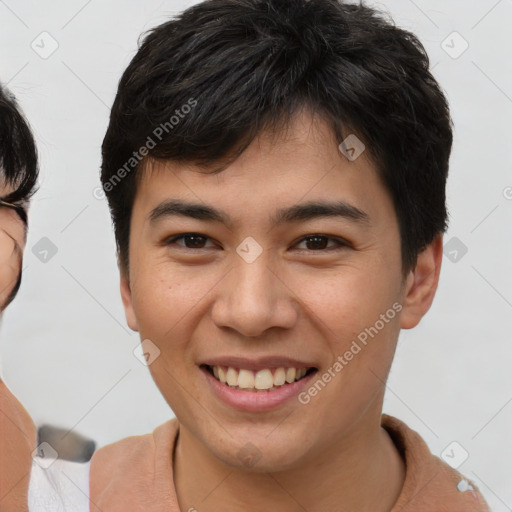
(126, 297)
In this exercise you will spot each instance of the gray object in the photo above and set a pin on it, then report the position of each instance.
(69, 445)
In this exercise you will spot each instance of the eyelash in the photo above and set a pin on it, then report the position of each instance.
(342, 244)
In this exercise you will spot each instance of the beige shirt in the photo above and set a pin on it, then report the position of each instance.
(136, 475)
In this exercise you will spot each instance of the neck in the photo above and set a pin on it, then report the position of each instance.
(362, 471)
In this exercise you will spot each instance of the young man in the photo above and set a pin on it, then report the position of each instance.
(276, 174)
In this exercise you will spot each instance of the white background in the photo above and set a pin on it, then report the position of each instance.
(66, 348)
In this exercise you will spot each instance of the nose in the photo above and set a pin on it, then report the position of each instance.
(253, 298)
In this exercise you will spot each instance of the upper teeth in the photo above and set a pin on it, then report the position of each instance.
(262, 379)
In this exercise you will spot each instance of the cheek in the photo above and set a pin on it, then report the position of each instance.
(6, 249)
(165, 298)
(360, 327)
(168, 306)
(359, 324)
(348, 301)
(10, 263)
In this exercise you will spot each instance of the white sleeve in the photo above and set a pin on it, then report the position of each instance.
(61, 487)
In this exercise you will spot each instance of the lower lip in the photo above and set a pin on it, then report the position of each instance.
(255, 401)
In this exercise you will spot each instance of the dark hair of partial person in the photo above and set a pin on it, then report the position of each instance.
(18, 153)
(18, 159)
(251, 65)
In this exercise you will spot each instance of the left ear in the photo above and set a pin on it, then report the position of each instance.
(421, 284)
(126, 297)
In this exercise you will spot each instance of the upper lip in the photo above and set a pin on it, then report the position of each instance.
(259, 363)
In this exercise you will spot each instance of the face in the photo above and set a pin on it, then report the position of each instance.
(268, 286)
(12, 244)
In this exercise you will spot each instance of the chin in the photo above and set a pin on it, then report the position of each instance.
(263, 453)
(253, 460)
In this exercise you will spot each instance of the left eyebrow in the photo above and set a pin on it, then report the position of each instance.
(315, 209)
(296, 213)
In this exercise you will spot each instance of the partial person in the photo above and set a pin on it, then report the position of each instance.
(18, 181)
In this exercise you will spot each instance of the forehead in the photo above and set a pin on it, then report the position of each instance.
(302, 164)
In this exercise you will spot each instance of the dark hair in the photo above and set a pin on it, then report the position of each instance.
(18, 153)
(250, 65)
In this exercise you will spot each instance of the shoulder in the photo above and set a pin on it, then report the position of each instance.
(430, 483)
(134, 470)
(18, 440)
(140, 449)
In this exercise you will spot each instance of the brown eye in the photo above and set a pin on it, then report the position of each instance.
(191, 241)
(319, 242)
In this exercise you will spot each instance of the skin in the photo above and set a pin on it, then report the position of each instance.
(12, 244)
(294, 300)
(18, 432)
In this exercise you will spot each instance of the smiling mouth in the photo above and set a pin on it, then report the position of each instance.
(265, 380)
